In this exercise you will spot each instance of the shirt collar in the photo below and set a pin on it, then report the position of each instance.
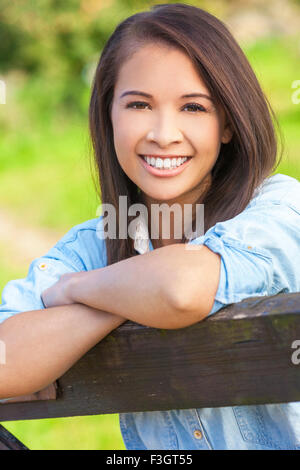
(142, 242)
(141, 237)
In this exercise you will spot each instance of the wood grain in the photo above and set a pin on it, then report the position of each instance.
(239, 356)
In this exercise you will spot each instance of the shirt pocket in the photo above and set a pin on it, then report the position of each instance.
(269, 426)
(151, 430)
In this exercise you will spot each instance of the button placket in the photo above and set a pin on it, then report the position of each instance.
(203, 434)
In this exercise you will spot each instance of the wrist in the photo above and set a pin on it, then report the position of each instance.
(75, 293)
(73, 289)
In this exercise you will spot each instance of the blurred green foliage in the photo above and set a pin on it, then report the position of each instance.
(58, 42)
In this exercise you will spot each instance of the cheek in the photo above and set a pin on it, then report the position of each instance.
(125, 135)
(208, 137)
(125, 144)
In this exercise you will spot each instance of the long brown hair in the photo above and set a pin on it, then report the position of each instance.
(242, 164)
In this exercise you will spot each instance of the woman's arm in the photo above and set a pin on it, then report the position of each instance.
(41, 345)
(170, 287)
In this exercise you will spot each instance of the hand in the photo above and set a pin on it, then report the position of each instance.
(59, 293)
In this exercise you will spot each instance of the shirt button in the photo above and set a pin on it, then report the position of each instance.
(43, 266)
(198, 434)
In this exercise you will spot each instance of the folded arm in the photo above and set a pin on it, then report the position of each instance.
(41, 345)
(170, 287)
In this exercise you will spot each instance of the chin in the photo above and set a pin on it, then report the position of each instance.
(161, 197)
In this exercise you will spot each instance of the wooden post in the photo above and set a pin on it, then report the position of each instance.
(9, 442)
(240, 356)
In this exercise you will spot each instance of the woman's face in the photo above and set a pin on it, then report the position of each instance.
(165, 124)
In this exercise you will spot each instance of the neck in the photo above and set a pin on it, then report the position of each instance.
(166, 222)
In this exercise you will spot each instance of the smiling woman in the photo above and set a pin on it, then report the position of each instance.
(177, 116)
(198, 97)
(167, 127)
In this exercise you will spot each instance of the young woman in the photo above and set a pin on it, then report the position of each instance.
(176, 117)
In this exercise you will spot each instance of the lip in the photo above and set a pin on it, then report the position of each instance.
(164, 173)
(164, 156)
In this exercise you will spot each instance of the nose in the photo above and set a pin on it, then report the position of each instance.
(164, 132)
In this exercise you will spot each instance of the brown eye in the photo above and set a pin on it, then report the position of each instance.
(136, 103)
(195, 107)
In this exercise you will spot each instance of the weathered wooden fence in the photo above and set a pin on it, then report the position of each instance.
(244, 354)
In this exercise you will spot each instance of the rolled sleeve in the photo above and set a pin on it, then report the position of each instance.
(259, 251)
(245, 272)
(79, 249)
(24, 295)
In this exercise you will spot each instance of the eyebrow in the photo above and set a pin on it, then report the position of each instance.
(141, 93)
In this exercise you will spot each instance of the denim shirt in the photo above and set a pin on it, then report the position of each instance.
(260, 256)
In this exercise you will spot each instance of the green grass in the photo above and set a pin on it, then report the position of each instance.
(276, 64)
(45, 175)
(78, 433)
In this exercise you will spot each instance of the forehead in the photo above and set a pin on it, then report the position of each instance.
(160, 67)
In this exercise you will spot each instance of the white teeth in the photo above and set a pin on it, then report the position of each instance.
(159, 163)
(165, 163)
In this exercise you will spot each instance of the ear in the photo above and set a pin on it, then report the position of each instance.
(227, 134)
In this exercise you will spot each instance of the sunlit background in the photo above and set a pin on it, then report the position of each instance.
(47, 58)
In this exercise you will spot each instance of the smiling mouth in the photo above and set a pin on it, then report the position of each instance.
(164, 163)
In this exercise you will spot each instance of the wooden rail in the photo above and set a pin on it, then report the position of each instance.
(240, 356)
